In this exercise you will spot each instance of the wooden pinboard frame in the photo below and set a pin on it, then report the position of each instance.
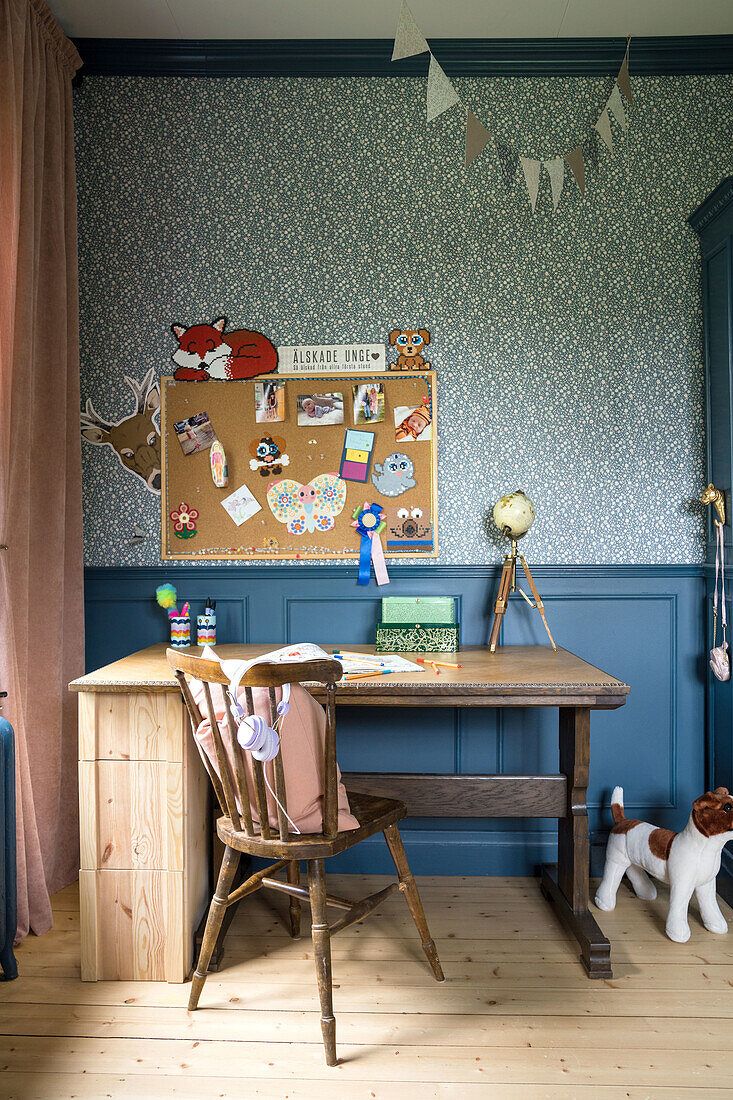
(312, 449)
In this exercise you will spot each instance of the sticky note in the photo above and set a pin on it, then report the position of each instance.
(356, 455)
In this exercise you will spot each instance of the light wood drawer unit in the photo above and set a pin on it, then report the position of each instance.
(144, 869)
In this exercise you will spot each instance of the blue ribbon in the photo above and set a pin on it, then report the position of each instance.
(365, 553)
(365, 560)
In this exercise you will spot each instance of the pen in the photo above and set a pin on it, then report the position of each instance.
(363, 660)
(356, 656)
(363, 675)
(441, 664)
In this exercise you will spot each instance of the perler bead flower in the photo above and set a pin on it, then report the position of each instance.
(185, 518)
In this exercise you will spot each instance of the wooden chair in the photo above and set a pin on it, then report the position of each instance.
(239, 835)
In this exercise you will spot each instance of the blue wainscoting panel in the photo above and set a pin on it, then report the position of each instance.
(642, 624)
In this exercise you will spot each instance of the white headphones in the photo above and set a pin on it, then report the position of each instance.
(256, 735)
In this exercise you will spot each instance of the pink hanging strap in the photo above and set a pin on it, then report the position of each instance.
(719, 571)
(380, 566)
(721, 545)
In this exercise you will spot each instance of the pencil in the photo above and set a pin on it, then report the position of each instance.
(441, 664)
(435, 668)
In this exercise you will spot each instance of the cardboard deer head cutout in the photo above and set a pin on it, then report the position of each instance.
(135, 439)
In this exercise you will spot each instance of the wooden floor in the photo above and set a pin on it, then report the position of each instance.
(517, 1018)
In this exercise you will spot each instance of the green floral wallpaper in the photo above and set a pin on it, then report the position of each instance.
(568, 345)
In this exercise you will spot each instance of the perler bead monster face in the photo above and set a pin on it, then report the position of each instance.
(395, 475)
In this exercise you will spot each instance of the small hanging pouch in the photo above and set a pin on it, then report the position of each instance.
(719, 657)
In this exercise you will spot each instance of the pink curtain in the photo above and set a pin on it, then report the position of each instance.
(41, 617)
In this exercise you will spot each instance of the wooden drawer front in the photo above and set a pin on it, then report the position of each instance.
(133, 926)
(131, 815)
(120, 726)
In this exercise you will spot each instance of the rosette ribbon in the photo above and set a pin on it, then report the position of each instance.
(369, 522)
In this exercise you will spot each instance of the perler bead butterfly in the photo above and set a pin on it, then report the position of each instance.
(311, 507)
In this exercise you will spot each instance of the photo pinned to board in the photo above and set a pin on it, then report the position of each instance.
(356, 455)
(269, 402)
(195, 434)
(395, 475)
(268, 455)
(326, 408)
(368, 403)
(413, 424)
(241, 505)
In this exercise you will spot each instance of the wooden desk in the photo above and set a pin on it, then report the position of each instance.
(143, 880)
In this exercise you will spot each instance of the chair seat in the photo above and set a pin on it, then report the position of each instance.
(373, 813)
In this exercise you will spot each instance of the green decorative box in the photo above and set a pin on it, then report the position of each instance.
(417, 637)
(415, 609)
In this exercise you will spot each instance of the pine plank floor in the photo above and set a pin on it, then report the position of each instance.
(517, 1018)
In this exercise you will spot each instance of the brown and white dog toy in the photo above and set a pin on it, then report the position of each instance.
(689, 861)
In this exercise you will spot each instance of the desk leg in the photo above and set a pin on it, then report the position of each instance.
(566, 885)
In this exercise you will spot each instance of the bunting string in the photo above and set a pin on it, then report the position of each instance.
(441, 96)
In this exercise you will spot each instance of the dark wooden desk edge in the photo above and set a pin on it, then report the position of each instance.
(603, 696)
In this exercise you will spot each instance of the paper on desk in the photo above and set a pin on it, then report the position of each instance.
(372, 662)
(307, 651)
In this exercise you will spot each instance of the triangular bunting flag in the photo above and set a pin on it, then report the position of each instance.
(441, 93)
(624, 82)
(507, 163)
(531, 169)
(616, 107)
(476, 137)
(577, 167)
(408, 40)
(603, 126)
(556, 172)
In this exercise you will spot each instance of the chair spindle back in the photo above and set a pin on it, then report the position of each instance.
(229, 778)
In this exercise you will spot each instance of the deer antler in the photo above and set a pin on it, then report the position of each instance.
(92, 419)
(142, 389)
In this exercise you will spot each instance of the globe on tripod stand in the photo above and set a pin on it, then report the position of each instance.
(514, 514)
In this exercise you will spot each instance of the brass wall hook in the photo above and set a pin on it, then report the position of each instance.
(717, 499)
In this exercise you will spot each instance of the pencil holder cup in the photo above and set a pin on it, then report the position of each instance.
(180, 631)
(206, 629)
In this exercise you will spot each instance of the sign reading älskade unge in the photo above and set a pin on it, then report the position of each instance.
(347, 358)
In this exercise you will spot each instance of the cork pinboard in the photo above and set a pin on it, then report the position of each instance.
(405, 491)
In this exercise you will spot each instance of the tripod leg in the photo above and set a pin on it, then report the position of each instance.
(537, 599)
(501, 602)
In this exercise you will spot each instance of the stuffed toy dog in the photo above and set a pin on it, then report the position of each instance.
(689, 861)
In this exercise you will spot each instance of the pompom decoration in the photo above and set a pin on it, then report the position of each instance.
(165, 594)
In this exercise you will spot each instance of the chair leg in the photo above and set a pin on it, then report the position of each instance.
(412, 897)
(322, 952)
(217, 909)
(294, 880)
